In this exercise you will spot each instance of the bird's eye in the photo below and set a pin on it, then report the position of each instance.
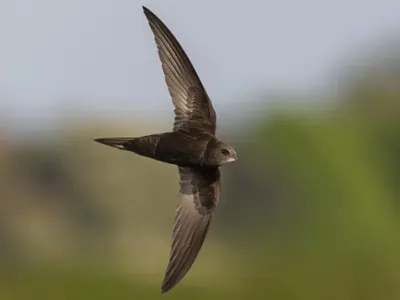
(224, 151)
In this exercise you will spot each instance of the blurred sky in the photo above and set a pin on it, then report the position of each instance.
(99, 57)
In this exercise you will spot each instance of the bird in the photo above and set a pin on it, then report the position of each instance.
(192, 146)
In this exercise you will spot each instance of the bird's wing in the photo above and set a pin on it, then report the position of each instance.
(199, 195)
(193, 107)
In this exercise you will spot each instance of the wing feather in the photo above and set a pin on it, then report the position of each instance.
(193, 107)
(199, 195)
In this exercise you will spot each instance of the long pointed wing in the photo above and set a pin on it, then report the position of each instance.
(199, 193)
(193, 107)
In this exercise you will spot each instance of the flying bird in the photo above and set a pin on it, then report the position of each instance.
(191, 145)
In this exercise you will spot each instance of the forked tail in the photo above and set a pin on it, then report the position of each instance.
(145, 145)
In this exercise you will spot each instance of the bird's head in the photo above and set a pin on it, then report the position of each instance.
(220, 154)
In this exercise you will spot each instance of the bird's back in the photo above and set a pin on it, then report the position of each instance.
(182, 149)
(177, 148)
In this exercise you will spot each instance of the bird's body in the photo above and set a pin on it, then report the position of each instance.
(178, 148)
(191, 145)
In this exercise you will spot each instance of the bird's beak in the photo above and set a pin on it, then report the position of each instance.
(235, 157)
(232, 159)
(119, 143)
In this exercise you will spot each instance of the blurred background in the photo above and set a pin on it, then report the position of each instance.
(308, 93)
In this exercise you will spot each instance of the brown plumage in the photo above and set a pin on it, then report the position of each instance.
(192, 146)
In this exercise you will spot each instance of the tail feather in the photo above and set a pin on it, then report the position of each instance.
(145, 145)
(117, 142)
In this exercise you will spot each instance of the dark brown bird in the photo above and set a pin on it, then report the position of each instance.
(192, 146)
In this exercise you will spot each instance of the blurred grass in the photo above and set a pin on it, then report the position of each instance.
(56, 283)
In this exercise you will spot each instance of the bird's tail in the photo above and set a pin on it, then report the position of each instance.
(145, 145)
